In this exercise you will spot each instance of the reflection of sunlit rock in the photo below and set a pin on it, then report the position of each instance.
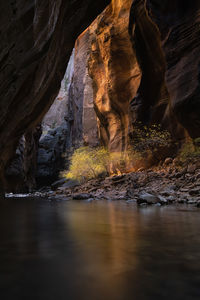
(104, 236)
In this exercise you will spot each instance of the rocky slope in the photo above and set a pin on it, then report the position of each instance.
(167, 184)
(37, 38)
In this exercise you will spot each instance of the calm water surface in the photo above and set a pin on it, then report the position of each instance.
(98, 251)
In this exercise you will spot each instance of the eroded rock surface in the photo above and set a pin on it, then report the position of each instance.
(37, 38)
(115, 73)
(20, 175)
(81, 96)
(71, 120)
(165, 36)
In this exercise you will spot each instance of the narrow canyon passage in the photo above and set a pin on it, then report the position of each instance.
(133, 64)
(99, 150)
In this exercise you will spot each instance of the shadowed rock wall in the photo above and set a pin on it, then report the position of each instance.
(71, 120)
(165, 35)
(37, 38)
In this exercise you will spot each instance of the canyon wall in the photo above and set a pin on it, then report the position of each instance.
(165, 35)
(145, 69)
(115, 73)
(56, 133)
(142, 68)
(71, 120)
(37, 38)
(84, 125)
(20, 175)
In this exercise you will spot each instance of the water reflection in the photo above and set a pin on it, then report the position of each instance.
(98, 250)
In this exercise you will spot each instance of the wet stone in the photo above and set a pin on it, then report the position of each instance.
(147, 198)
(82, 196)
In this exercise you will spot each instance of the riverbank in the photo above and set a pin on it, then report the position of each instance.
(156, 186)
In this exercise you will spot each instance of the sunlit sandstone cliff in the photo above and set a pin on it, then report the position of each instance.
(115, 73)
(153, 79)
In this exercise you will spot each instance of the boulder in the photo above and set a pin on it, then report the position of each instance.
(148, 198)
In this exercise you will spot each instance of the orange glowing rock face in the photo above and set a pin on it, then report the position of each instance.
(115, 73)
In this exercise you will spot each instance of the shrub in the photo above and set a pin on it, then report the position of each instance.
(151, 142)
(190, 151)
(150, 138)
(87, 163)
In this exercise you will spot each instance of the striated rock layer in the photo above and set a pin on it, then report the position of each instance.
(37, 38)
(165, 35)
(83, 118)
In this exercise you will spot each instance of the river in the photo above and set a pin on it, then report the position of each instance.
(100, 250)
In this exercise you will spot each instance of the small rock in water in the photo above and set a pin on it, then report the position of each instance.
(170, 199)
(162, 200)
(158, 204)
(182, 201)
(90, 199)
(147, 198)
(191, 201)
(83, 196)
